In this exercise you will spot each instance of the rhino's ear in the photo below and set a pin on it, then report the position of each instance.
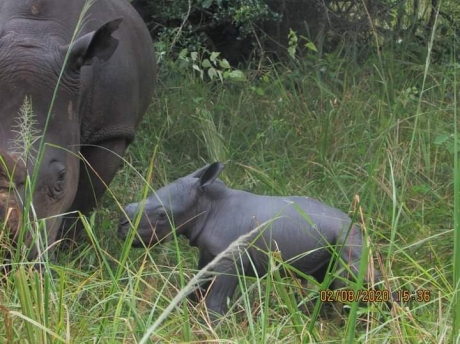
(99, 43)
(198, 173)
(211, 174)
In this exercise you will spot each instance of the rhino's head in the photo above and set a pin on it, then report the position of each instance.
(44, 90)
(177, 205)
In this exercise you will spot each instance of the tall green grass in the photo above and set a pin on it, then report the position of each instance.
(456, 255)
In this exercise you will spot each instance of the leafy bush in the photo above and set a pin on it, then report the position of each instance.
(239, 28)
(213, 24)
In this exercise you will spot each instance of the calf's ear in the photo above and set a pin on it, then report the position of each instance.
(198, 173)
(211, 173)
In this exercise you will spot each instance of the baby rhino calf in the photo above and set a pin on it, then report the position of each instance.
(304, 231)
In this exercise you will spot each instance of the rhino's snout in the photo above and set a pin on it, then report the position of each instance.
(130, 209)
(124, 223)
(153, 226)
(144, 233)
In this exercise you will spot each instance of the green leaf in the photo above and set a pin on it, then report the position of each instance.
(224, 64)
(219, 73)
(292, 37)
(206, 3)
(440, 139)
(450, 146)
(206, 63)
(194, 55)
(183, 64)
(260, 91)
(237, 75)
(212, 73)
(291, 51)
(214, 56)
(183, 53)
(311, 46)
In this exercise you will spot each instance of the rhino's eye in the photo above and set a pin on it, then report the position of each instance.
(57, 179)
(61, 175)
(162, 215)
(59, 185)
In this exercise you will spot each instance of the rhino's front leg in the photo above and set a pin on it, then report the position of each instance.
(97, 169)
(222, 288)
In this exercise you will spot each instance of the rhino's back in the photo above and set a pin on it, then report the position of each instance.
(292, 220)
(296, 225)
(304, 210)
(302, 232)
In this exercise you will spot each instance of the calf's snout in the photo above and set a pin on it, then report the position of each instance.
(131, 210)
(125, 219)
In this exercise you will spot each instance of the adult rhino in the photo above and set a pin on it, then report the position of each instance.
(103, 82)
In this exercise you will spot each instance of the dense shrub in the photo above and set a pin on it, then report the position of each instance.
(241, 29)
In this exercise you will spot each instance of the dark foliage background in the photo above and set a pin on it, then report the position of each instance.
(243, 29)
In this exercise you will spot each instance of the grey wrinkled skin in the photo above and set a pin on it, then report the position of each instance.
(212, 216)
(105, 89)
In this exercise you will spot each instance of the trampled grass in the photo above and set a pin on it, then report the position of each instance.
(382, 133)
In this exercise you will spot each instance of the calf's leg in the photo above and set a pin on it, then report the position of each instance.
(222, 288)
